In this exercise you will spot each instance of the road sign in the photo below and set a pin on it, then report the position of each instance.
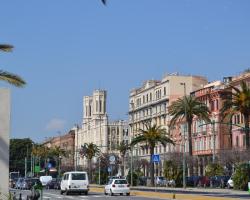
(37, 168)
(49, 165)
(156, 158)
(112, 159)
(109, 169)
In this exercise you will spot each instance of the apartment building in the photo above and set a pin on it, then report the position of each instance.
(67, 143)
(150, 103)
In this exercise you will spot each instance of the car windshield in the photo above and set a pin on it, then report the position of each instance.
(78, 176)
(161, 178)
(121, 182)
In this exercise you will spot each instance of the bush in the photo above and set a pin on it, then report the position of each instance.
(173, 172)
(135, 178)
(214, 169)
(241, 176)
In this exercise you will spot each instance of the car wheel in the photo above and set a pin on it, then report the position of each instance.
(105, 192)
(86, 193)
(128, 194)
(61, 192)
(111, 193)
(66, 192)
(121, 194)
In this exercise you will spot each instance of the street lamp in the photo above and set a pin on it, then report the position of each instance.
(131, 148)
(183, 140)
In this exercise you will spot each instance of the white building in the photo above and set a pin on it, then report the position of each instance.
(150, 103)
(96, 127)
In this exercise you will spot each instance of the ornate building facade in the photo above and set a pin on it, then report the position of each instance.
(97, 128)
(150, 103)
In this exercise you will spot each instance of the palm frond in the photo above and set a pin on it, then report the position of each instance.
(12, 78)
(6, 47)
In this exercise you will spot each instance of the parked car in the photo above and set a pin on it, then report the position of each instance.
(25, 184)
(192, 181)
(230, 182)
(160, 181)
(219, 181)
(142, 180)
(204, 181)
(18, 184)
(75, 181)
(33, 181)
(117, 186)
(54, 184)
(45, 179)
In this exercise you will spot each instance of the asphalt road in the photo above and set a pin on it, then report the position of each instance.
(55, 194)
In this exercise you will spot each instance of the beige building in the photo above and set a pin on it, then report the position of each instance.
(150, 103)
(96, 127)
(65, 142)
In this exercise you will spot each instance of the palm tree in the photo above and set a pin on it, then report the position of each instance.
(187, 108)
(89, 150)
(9, 77)
(238, 101)
(123, 148)
(152, 136)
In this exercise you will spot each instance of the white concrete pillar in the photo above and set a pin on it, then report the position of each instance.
(4, 139)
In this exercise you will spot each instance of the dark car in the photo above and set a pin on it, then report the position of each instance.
(192, 181)
(54, 184)
(219, 181)
(32, 182)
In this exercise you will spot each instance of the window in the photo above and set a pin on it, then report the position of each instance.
(164, 91)
(78, 176)
(237, 141)
(244, 140)
(121, 182)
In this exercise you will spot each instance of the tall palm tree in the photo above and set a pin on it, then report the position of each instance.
(187, 108)
(239, 101)
(89, 150)
(123, 148)
(9, 77)
(152, 136)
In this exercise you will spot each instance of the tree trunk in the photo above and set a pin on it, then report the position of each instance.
(123, 165)
(90, 171)
(246, 121)
(152, 166)
(190, 146)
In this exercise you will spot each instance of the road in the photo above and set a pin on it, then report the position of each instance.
(55, 195)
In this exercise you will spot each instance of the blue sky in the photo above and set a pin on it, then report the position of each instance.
(65, 49)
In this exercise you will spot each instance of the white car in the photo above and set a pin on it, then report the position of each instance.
(230, 183)
(117, 186)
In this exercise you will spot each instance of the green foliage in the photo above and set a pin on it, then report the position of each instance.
(173, 171)
(241, 177)
(19, 149)
(135, 175)
(214, 169)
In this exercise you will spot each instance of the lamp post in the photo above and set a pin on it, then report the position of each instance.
(183, 140)
(131, 148)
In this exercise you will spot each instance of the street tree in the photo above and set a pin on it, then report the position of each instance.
(152, 136)
(238, 101)
(123, 148)
(187, 108)
(89, 150)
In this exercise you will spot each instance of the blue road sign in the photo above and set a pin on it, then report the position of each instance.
(109, 169)
(156, 158)
(49, 165)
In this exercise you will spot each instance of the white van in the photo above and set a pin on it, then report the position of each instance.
(75, 181)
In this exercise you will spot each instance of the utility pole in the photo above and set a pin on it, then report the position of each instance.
(213, 132)
(183, 140)
(132, 129)
(25, 167)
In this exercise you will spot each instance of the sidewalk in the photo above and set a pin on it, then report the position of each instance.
(183, 194)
